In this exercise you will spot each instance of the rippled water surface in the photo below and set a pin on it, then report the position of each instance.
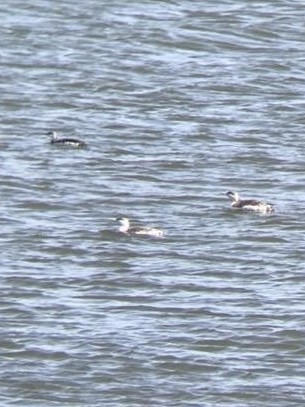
(179, 102)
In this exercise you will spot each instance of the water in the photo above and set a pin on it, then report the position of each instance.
(178, 102)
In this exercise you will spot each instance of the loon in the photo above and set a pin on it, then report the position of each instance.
(64, 141)
(250, 204)
(138, 230)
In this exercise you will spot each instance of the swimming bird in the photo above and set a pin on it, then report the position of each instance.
(54, 139)
(137, 230)
(250, 204)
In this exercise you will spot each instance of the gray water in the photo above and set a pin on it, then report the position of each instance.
(179, 102)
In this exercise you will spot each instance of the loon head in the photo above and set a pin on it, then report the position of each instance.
(124, 224)
(52, 135)
(123, 221)
(233, 196)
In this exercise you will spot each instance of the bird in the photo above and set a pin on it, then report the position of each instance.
(253, 205)
(137, 230)
(54, 139)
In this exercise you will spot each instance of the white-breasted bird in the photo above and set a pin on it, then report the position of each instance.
(253, 205)
(138, 230)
